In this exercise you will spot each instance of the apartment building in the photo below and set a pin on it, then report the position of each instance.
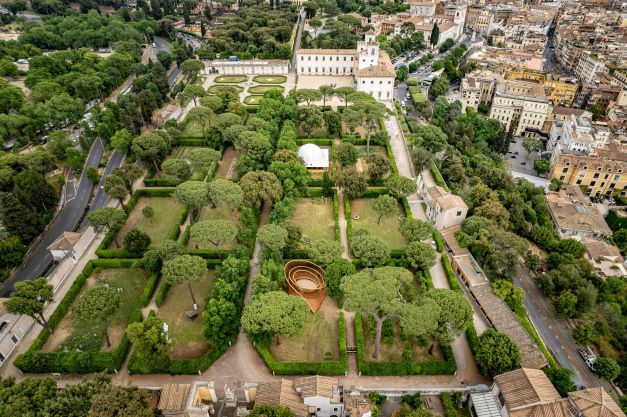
(601, 173)
(480, 19)
(574, 214)
(477, 87)
(371, 67)
(589, 67)
(522, 102)
(577, 134)
(560, 90)
(421, 8)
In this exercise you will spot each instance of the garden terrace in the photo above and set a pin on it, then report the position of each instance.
(163, 226)
(187, 336)
(215, 89)
(363, 216)
(316, 217)
(44, 355)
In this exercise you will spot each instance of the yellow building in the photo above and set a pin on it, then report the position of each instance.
(603, 173)
(559, 91)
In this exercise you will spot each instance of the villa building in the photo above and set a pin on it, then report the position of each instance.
(444, 209)
(521, 101)
(371, 67)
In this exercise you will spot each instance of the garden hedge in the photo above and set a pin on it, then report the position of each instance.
(338, 367)
(400, 368)
(439, 244)
(36, 361)
(437, 176)
(449, 407)
(336, 215)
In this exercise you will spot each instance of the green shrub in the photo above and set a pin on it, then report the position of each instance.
(161, 293)
(439, 244)
(450, 275)
(149, 289)
(437, 176)
(449, 407)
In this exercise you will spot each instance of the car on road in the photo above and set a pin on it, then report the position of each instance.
(513, 156)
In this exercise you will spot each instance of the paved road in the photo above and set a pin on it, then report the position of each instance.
(558, 340)
(101, 198)
(66, 220)
(299, 36)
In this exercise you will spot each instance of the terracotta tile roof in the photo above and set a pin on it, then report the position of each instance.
(383, 68)
(570, 209)
(524, 387)
(174, 397)
(567, 111)
(282, 393)
(595, 402)
(316, 386)
(65, 242)
(598, 249)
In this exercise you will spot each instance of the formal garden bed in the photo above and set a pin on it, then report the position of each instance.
(81, 347)
(215, 89)
(363, 216)
(163, 225)
(252, 100)
(174, 301)
(261, 89)
(362, 159)
(270, 79)
(220, 212)
(230, 79)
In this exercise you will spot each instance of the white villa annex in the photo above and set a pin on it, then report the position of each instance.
(371, 67)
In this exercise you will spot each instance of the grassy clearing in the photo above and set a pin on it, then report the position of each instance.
(130, 281)
(318, 341)
(252, 100)
(159, 227)
(215, 89)
(392, 346)
(386, 230)
(260, 89)
(188, 340)
(234, 79)
(316, 218)
(270, 79)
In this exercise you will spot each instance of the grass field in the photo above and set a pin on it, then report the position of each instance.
(221, 212)
(260, 89)
(130, 281)
(159, 227)
(233, 79)
(316, 342)
(387, 230)
(252, 100)
(392, 347)
(193, 128)
(180, 152)
(315, 217)
(188, 340)
(270, 79)
(215, 89)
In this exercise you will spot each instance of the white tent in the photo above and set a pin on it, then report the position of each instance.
(313, 156)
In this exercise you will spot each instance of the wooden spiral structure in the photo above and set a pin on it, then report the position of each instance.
(306, 279)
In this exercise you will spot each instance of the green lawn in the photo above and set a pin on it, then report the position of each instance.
(131, 283)
(232, 79)
(159, 227)
(215, 89)
(386, 230)
(260, 89)
(316, 342)
(220, 212)
(270, 79)
(193, 128)
(188, 340)
(180, 152)
(316, 218)
(252, 100)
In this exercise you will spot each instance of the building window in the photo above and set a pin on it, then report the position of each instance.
(596, 175)
(562, 178)
(602, 183)
(616, 177)
(14, 339)
(578, 182)
(592, 183)
(565, 170)
(459, 213)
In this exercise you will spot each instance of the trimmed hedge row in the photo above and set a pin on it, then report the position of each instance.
(336, 215)
(149, 289)
(449, 407)
(338, 367)
(320, 141)
(349, 223)
(439, 244)
(407, 208)
(36, 361)
(450, 275)
(393, 368)
(437, 176)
